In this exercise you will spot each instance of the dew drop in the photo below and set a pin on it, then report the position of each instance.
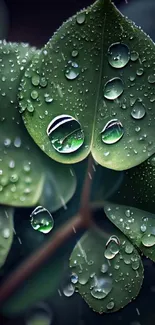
(112, 247)
(74, 278)
(42, 220)
(113, 88)
(110, 305)
(140, 72)
(65, 134)
(102, 287)
(138, 110)
(68, 290)
(72, 71)
(118, 55)
(148, 240)
(75, 53)
(104, 268)
(134, 56)
(151, 79)
(35, 80)
(81, 17)
(143, 228)
(112, 132)
(129, 248)
(34, 94)
(135, 265)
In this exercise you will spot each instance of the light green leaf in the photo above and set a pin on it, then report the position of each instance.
(137, 225)
(109, 269)
(94, 85)
(23, 166)
(6, 232)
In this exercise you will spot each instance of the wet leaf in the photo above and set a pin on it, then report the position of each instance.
(137, 188)
(6, 232)
(106, 270)
(24, 168)
(137, 225)
(93, 85)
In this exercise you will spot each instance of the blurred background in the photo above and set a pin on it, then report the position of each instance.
(34, 22)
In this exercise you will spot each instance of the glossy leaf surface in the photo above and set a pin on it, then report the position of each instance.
(137, 225)
(108, 267)
(98, 69)
(23, 167)
(6, 232)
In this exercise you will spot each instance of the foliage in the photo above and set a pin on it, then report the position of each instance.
(88, 91)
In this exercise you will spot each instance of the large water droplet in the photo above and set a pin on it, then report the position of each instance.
(42, 220)
(81, 17)
(112, 247)
(72, 71)
(65, 134)
(138, 110)
(112, 132)
(118, 55)
(148, 240)
(102, 287)
(113, 88)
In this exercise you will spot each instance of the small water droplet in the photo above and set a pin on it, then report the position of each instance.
(113, 88)
(68, 290)
(72, 71)
(151, 79)
(140, 71)
(129, 248)
(35, 80)
(65, 134)
(75, 53)
(143, 228)
(134, 56)
(74, 278)
(112, 132)
(104, 268)
(81, 17)
(135, 265)
(34, 94)
(42, 220)
(110, 305)
(43, 82)
(138, 110)
(118, 55)
(112, 247)
(128, 213)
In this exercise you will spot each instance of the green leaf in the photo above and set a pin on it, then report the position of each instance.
(23, 166)
(6, 232)
(137, 225)
(137, 188)
(95, 91)
(106, 270)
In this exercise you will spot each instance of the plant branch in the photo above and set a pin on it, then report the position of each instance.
(82, 220)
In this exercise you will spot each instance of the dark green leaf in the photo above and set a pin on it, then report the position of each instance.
(24, 169)
(137, 225)
(109, 269)
(6, 232)
(98, 68)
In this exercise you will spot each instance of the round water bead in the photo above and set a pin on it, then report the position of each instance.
(65, 134)
(112, 132)
(112, 247)
(42, 220)
(113, 88)
(72, 71)
(39, 315)
(118, 55)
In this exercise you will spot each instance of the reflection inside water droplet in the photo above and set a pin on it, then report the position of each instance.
(113, 88)
(42, 220)
(118, 55)
(72, 71)
(138, 110)
(112, 132)
(65, 134)
(101, 287)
